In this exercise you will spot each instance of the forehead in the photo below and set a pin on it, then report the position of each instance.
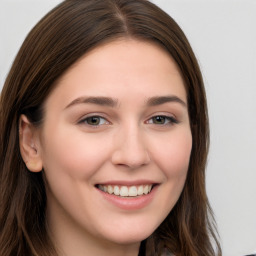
(123, 65)
(142, 55)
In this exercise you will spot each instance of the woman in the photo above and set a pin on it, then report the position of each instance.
(104, 137)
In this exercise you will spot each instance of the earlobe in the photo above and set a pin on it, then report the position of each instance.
(29, 145)
(35, 166)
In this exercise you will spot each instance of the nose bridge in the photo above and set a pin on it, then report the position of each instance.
(130, 147)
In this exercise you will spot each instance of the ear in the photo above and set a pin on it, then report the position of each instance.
(29, 145)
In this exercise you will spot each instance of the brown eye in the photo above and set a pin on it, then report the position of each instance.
(94, 121)
(159, 120)
(162, 120)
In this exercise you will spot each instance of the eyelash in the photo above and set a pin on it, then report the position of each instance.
(85, 120)
(168, 120)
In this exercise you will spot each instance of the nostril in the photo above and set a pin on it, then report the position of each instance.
(132, 159)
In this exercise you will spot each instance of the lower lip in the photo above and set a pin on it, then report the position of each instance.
(130, 203)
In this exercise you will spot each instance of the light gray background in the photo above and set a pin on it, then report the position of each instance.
(223, 36)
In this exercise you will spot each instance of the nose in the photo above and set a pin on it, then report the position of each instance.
(130, 149)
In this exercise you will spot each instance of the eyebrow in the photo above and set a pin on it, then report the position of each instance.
(111, 102)
(159, 100)
(102, 101)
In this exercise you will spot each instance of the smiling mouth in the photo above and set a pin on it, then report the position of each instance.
(126, 191)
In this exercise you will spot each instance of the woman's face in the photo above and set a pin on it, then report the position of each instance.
(117, 122)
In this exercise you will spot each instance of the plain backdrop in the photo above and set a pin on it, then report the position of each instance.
(223, 36)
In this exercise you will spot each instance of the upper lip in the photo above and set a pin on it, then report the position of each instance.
(128, 182)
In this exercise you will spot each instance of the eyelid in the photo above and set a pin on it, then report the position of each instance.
(96, 115)
(172, 119)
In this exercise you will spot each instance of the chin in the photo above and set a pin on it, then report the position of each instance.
(130, 235)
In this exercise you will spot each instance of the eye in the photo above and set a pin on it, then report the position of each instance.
(94, 121)
(162, 120)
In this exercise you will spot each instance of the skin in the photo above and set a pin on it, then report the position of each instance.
(127, 145)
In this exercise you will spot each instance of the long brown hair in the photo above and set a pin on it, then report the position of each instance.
(62, 37)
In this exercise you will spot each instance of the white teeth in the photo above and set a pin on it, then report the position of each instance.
(116, 190)
(110, 189)
(133, 191)
(140, 190)
(145, 190)
(126, 191)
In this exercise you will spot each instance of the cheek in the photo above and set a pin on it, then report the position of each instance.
(174, 155)
(173, 160)
(73, 154)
